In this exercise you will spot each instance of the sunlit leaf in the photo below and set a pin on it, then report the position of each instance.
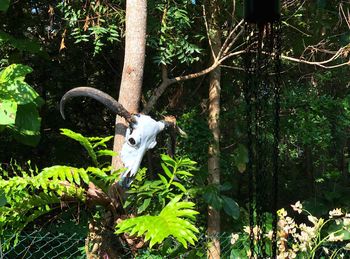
(8, 111)
(13, 86)
(173, 220)
(166, 170)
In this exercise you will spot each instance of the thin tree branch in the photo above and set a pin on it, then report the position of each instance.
(231, 55)
(169, 81)
(225, 54)
(207, 30)
(315, 63)
(227, 40)
(232, 42)
(347, 19)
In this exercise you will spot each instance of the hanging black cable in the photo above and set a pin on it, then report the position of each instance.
(276, 134)
(262, 97)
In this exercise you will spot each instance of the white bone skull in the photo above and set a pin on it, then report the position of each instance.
(140, 137)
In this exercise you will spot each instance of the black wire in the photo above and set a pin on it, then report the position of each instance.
(262, 98)
(249, 112)
(277, 103)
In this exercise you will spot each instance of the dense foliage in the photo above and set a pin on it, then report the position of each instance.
(48, 47)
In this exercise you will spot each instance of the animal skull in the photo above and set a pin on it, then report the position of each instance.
(140, 135)
(139, 138)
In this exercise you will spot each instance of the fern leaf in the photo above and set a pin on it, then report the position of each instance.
(174, 220)
(84, 176)
(83, 141)
(101, 141)
(76, 177)
(105, 152)
(69, 175)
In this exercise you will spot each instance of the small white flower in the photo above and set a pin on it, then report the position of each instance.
(256, 230)
(335, 213)
(346, 220)
(269, 235)
(297, 207)
(326, 250)
(312, 219)
(282, 213)
(347, 247)
(234, 238)
(334, 238)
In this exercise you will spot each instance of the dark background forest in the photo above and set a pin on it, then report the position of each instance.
(81, 43)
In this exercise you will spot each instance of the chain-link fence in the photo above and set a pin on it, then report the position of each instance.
(39, 244)
(43, 244)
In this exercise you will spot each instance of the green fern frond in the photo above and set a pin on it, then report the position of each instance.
(99, 141)
(174, 220)
(65, 173)
(83, 141)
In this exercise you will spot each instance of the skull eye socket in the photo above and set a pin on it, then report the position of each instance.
(132, 141)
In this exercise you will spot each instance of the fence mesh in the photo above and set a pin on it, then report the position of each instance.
(41, 244)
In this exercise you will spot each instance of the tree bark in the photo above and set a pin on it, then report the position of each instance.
(214, 127)
(132, 76)
(101, 236)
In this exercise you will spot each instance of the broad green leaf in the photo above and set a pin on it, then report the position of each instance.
(225, 187)
(23, 44)
(4, 5)
(4, 37)
(144, 205)
(230, 207)
(8, 111)
(13, 86)
(27, 125)
(212, 198)
(28, 46)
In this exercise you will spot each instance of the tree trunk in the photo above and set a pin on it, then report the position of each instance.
(101, 237)
(213, 121)
(132, 76)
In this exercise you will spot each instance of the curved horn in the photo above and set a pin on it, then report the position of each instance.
(98, 95)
